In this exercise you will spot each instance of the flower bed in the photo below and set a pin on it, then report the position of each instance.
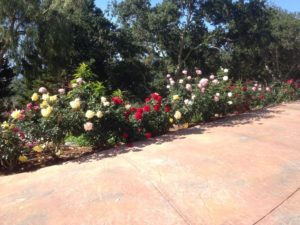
(105, 121)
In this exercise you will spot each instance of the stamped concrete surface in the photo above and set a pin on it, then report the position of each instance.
(237, 171)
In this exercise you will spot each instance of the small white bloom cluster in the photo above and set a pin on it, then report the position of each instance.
(104, 101)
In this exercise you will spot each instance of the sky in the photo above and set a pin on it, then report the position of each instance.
(289, 5)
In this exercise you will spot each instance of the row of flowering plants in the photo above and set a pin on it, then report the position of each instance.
(83, 109)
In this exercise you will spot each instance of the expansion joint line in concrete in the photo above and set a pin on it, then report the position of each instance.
(161, 193)
(277, 206)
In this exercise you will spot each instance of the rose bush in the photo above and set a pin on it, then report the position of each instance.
(13, 145)
(83, 109)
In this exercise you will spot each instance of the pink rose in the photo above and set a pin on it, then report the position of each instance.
(188, 87)
(215, 81)
(79, 80)
(61, 91)
(88, 126)
(198, 72)
(29, 106)
(203, 82)
(42, 90)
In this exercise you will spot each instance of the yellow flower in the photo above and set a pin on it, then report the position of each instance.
(46, 112)
(37, 148)
(75, 104)
(16, 114)
(35, 97)
(177, 115)
(171, 120)
(89, 114)
(45, 97)
(53, 98)
(176, 97)
(23, 158)
(99, 114)
(44, 104)
(5, 125)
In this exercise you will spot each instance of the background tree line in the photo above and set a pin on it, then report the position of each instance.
(43, 41)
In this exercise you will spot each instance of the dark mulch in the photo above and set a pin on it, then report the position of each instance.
(40, 160)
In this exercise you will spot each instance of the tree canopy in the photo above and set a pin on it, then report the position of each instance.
(44, 41)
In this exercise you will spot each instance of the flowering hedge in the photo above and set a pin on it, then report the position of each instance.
(109, 120)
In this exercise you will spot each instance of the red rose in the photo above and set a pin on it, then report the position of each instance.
(147, 108)
(125, 135)
(147, 100)
(262, 97)
(22, 135)
(154, 96)
(138, 115)
(140, 110)
(167, 108)
(132, 109)
(158, 99)
(244, 88)
(16, 130)
(126, 114)
(117, 100)
(156, 107)
(148, 135)
(290, 81)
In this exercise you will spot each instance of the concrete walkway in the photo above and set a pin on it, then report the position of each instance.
(240, 171)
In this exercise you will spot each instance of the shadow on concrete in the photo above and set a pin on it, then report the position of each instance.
(229, 121)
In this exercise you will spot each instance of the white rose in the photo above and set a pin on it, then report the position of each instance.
(106, 103)
(177, 115)
(103, 99)
(89, 114)
(128, 106)
(99, 114)
(75, 104)
(225, 78)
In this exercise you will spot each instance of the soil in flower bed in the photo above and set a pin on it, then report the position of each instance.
(46, 159)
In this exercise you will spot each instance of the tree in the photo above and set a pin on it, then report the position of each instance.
(48, 39)
(284, 51)
(173, 34)
(6, 77)
(243, 33)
